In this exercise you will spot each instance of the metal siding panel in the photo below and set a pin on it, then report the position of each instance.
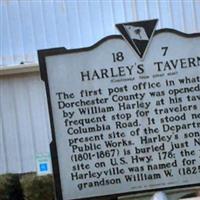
(165, 15)
(142, 10)
(26, 145)
(18, 119)
(74, 28)
(14, 24)
(24, 123)
(189, 16)
(118, 11)
(3, 165)
(128, 10)
(27, 32)
(107, 17)
(177, 15)
(62, 21)
(96, 20)
(196, 5)
(31, 25)
(1, 33)
(37, 111)
(7, 57)
(153, 9)
(46, 117)
(10, 127)
(134, 10)
(48, 14)
(85, 24)
(36, 24)
(3, 157)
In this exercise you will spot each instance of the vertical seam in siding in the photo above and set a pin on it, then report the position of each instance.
(17, 129)
(124, 10)
(147, 9)
(102, 17)
(31, 119)
(43, 116)
(4, 142)
(134, 6)
(160, 15)
(171, 13)
(1, 38)
(43, 22)
(55, 24)
(90, 17)
(11, 45)
(113, 13)
(195, 16)
(31, 21)
(47, 120)
(183, 14)
(113, 16)
(78, 23)
(67, 22)
(21, 31)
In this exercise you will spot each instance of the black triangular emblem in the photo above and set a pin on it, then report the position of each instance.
(138, 34)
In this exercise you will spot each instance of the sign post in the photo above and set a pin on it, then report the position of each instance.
(125, 113)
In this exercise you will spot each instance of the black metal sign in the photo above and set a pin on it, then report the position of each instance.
(122, 121)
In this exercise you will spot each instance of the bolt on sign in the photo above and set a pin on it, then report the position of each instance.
(125, 112)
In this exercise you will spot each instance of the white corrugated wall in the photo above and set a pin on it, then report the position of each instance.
(28, 25)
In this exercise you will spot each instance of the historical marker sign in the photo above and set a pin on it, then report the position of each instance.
(122, 124)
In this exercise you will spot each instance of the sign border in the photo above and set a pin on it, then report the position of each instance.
(42, 54)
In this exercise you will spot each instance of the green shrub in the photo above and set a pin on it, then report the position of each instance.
(37, 187)
(3, 180)
(10, 187)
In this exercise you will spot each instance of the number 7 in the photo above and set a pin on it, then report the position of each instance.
(165, 50)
